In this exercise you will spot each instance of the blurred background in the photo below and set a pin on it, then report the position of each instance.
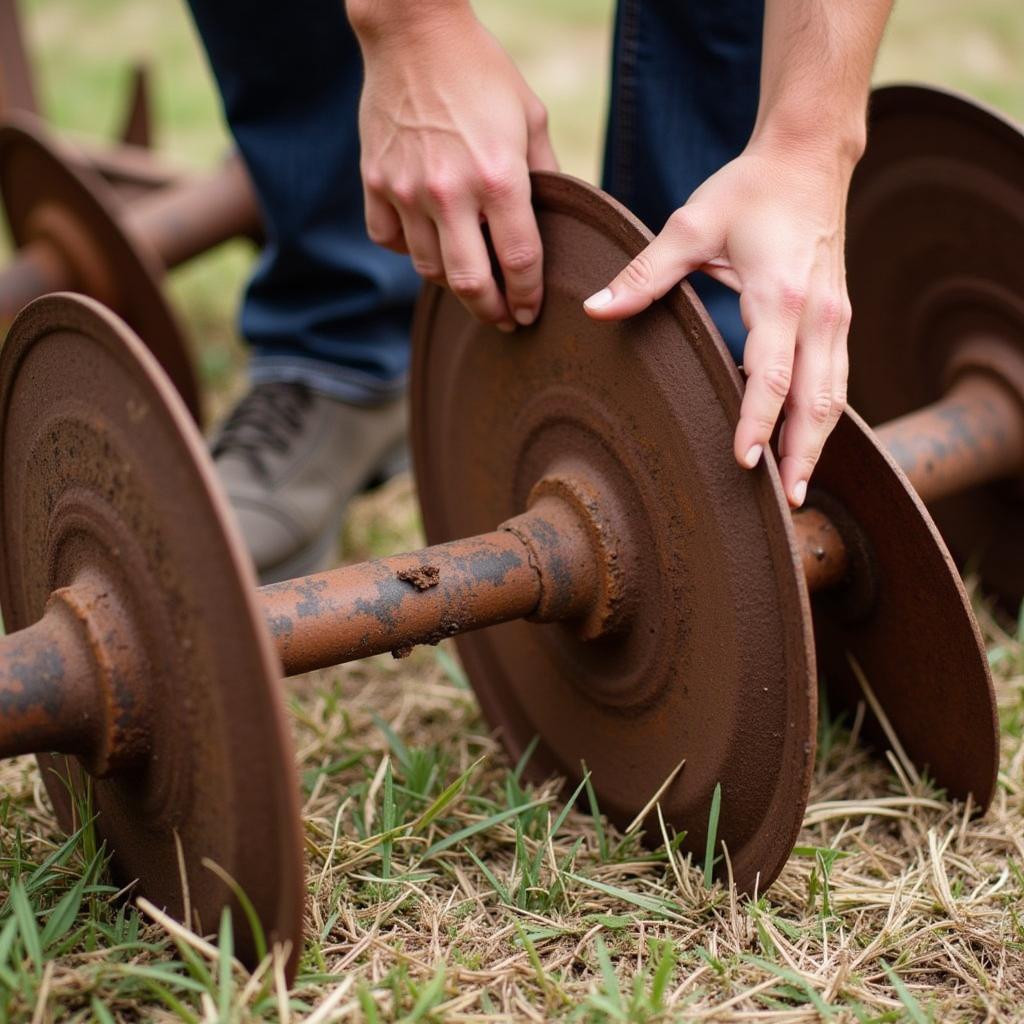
(83, 51)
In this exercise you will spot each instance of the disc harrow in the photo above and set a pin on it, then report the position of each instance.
(620, 590)
(74, 233)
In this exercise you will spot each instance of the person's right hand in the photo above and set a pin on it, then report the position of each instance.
(450, 132)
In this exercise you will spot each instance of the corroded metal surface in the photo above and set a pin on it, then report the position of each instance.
(108, 499)
(554, 563)
(935, 234)
(73, 213)
(393, 603)
(17, 91)
(136, 128)
(822, 549)
(912, 632)
(972, 436)
(704, 651)
(196, 214)
(48, 696)
(77, 681)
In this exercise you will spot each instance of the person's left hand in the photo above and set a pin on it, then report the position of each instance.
(770, 225)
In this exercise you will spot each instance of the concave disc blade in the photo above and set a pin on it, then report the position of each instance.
(910, 629)
(717, 666)
(935, 236)
(45, 196)
(103, 471)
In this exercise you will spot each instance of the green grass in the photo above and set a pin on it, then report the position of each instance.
(440, 886)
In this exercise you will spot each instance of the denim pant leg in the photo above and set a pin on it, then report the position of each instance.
(325, 305)
(685, 84)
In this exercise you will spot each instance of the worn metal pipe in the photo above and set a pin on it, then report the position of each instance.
(971, 436)
(36, 269)
(47, 700)
(395, 603)
(195, 215)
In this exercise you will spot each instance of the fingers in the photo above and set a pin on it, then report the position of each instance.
(467, 267)
(423, 246)
(540, 155)
(799, 364)
(440, 224)
(808, 414)
(681, 247)
(517, 245)
(818, 394)
(768, 362)
(383, 225)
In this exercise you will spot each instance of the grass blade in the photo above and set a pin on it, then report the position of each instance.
(481, 826)
(709, 850)
(651, 904)
(912, 1006)
(27, 925)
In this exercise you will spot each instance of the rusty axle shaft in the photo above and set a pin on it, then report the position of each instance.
(189, 218)
(972, 436)
(396, 603)
(543, 565)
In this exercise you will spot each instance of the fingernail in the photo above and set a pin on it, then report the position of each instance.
(754, 456)
(524, 317)
(599, 299)
(506, 326)
(800, 491)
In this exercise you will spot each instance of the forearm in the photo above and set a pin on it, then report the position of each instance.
(816, 74)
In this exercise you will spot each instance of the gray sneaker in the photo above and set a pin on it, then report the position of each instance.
(290, 459)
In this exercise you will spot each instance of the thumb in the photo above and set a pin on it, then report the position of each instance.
(678, 250)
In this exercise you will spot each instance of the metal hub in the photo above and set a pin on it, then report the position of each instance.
(702, 648)
(935, 233)
(75, 212)
(106, 489)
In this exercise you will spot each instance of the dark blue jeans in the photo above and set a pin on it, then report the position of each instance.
(327, 306)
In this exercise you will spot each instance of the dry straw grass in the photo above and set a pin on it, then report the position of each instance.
(896, 905)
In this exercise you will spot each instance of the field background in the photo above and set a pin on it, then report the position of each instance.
(895, 907)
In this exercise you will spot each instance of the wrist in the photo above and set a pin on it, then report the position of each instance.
(829, 141)
(374, 20)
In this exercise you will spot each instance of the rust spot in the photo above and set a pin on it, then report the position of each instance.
(423, 577)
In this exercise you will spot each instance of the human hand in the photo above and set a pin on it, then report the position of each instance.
(770, 225)
(450, 132)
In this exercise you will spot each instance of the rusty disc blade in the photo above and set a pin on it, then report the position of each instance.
(716, 665)
(906, 619)
(935, 234)
(104, 472)
(46, 196)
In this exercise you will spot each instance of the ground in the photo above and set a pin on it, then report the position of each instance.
(896, 905)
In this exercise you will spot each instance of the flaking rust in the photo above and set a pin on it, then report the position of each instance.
(422, 577)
